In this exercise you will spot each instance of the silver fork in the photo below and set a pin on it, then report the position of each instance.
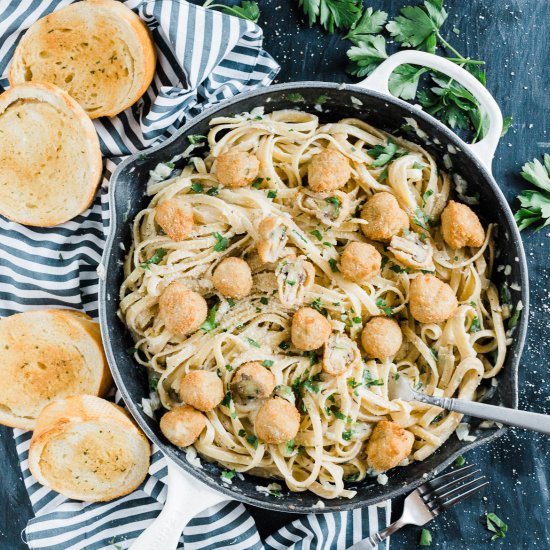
(429, 500)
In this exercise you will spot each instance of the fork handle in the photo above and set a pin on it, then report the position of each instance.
(511, 417)
(374, 540)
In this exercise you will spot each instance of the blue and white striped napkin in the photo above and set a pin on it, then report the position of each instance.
(203, 57)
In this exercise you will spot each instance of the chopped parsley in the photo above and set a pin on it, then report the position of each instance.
(267, 363)
(381, 303)
(155, 258)
(317, 234)
(229, 474)
(253, 343)
(295, 97)
(253, 440)
(513, 321)
(241, 433)
(228, 367)
(398, 269)
(264, 301)
(257, 182)
(460, 461)
(347, 435)
(475, 326)
(284, 345)
(213, 191)
(197, 187)
(369, 381)
(131, 351)
(221, 242)
(496, 525)
(271, 194)
(425, 538)
(153, 383)
(383, 154)
(426, 196)
(336, 202)
(193, 140)
(210, 323)
(333, 265)
(421, 219)
(227, 399)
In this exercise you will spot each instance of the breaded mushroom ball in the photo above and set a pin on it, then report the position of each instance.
(384, 216)
(175, 217)
(277, 421)
(381, 337)
(182, 425)
(309, 330)
(461, 227)
(233, 278)
(182, 310)
(253, 381)
(360, 262)
(237, 168)
(328, 171)
(431, 300)
(388, 445)
(201, 389)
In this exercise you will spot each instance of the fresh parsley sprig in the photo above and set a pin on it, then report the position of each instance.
(245, 10)
(332, 14)
(535, 205)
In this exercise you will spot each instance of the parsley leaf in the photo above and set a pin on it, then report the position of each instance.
(506, 124)
(336, 202)
(317, 234)
(197, 187)
(247, 9)
(371, 22)
(496, 525)
(367, 55)
(221, 244)
(195, 139)
(404, 80)
(381, 303)
(333, 265)
(210, 323)
(418, 26)
(460, 461)
(331, 14)
(384, 153)
(229, 474)
(253, 343)
(347, 435)
(474, 325)
(253, 440)
(425, 538)
(535, 205)
(155, 258)
(513, 321)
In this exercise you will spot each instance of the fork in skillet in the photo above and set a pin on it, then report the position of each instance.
(429, 500)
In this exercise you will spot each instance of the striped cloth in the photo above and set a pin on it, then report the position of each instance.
(203, 57)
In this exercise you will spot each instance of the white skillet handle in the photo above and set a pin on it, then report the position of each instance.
(186, 498)
(484, 149)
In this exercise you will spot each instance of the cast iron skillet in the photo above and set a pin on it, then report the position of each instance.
(128, 197)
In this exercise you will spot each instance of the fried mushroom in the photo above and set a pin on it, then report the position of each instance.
(272, 239)
(253, 381)
(431, 300)
(461, 227)
(175, 217)
(277, 421)
(233, 278)
(389, 444)
(294, 277)
(182, 425)
(237, 168)
(384, 217)
(309, 330)
(341, 354)
(182, 310)
(201, 389)
(360, 262)
(329, 170)
(381, 337)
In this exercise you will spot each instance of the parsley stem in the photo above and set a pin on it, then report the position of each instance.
(448, 46)
(465, 61)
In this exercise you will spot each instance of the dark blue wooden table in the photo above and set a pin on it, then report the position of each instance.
(513, 37)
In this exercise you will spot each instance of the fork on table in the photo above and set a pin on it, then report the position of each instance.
(429, 500)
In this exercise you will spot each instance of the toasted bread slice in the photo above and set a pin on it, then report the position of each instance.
(50, 161)
(88, 449)
(99, 51)
(47, 354)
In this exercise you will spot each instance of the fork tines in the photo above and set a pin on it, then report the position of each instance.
(450, 489)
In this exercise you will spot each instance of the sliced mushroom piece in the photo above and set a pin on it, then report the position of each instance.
(294, 277)
(341, 354)
(330, 208)
(412, 251)
(273, 238)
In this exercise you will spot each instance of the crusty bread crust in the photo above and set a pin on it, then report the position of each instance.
(99, 51)
(50, 160)
(88, 449)
(47, 354)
